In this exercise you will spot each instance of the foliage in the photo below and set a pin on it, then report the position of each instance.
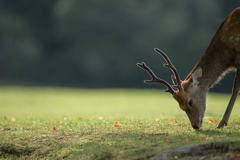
(97, 44)
(43, 123)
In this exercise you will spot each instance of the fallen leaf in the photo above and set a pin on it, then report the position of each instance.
(130, 141)
(174, 121)
(58, 121)
(54, 128)
(45, 127)
(117, 124)
(166, 140)
(64, 148)
(5, 117)
(166, 134)
(235, 155)
(48, 123)
(63, 133)
(214, 119)
(80, 118)
(186, 141)
(210, 121)
(203, 138)
(13, 119)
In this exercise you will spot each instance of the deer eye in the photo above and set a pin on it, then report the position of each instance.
(190, 103)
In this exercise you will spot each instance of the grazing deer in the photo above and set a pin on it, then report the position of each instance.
(221, 56)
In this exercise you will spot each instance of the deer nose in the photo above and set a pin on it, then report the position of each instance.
(195, 127)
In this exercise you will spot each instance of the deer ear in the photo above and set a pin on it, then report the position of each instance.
(196, 75)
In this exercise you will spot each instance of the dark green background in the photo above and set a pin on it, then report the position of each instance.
(95, 44)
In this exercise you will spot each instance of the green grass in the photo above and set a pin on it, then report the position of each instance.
(38, 110)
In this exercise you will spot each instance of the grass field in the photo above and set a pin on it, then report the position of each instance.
(84, 121)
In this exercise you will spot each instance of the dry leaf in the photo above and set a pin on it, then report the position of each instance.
(235, 155)
(203, 138)
(117, 124)
(210, 121)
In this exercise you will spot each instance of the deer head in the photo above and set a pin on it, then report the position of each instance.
(188, 95)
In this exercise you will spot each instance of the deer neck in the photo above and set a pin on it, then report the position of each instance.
(215, 63)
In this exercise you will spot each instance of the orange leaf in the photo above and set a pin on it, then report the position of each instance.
(130, 142)
(48, 123)
(187, 141)
(166, 140)
(54, 128)
(203, 138)
(58, 121)
(63, 133)
(13, 119)
(166, 134)
(80, 118)
(174, 121)
(235, 155)
(210, 121)
(214, 119)
(117, 124)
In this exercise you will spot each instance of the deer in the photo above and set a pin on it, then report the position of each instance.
(221, 56)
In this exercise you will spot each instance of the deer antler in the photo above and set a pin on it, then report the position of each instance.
(155, 79)
(170, 65)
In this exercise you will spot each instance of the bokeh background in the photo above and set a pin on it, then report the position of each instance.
(96, 44)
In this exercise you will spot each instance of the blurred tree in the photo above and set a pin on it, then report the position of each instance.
(97, 43)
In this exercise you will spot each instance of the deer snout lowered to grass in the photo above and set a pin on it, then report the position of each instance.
(221, 56)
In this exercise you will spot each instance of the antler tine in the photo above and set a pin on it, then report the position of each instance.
(155, 79)
(171, 66)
